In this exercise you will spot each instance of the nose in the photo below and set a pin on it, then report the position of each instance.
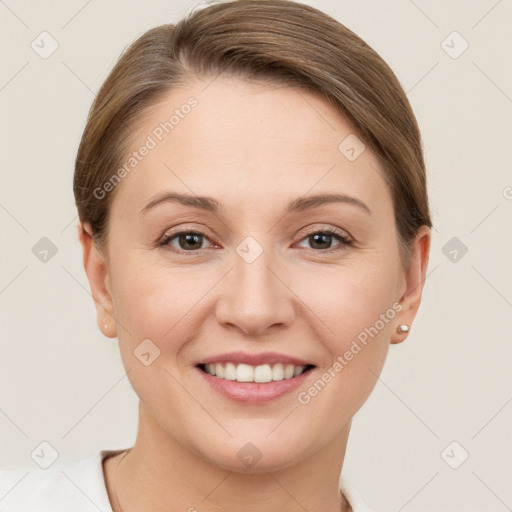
(256, 298)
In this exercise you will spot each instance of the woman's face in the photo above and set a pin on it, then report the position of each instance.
(260, 280)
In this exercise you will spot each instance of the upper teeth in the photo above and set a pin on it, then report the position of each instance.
(247, 373)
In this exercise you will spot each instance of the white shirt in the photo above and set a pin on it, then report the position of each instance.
(80, 487)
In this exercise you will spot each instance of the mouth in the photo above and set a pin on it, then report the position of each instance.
(260, 374)
(254, 385)
(254, 378)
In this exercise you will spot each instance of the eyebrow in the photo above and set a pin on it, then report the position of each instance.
(212, 205)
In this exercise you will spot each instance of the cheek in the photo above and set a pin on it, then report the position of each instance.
(156, 308)
(152, 301)
(357, 312)
(355, 319)
(350, 299)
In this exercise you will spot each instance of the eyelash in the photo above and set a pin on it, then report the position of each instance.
(344, 240)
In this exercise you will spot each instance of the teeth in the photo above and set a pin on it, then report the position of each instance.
(230, 371)
(298, 370)
(219, 370)
(248, 373)
(263, 373)
(244, 373)
(289, 371)
(278, 372)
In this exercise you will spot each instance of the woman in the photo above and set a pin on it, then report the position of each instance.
(255, 229)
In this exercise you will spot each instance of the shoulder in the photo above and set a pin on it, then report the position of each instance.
(78, 486)
(353, 497)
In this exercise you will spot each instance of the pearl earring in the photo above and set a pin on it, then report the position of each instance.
(402, 329)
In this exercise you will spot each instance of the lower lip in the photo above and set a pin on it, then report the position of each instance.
(254, 392)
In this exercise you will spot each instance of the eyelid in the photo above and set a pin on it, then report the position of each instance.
(335, 231)
(186, 227)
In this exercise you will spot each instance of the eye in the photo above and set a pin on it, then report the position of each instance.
(187, 241)
(191, 241)
(321, 240)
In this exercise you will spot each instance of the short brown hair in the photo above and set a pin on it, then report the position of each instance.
(279, 41)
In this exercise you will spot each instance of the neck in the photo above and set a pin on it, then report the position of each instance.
(160, 474)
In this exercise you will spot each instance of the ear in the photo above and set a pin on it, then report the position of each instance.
(414, 280)
(97, 270)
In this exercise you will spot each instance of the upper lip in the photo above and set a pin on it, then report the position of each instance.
(254, 359)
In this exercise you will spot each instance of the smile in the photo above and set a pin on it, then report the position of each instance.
(249, 373)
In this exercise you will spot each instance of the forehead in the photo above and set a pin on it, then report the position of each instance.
(246, 142)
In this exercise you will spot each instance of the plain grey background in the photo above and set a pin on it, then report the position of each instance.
(444, 394)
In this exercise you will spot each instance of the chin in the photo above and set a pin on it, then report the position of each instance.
(256, 454)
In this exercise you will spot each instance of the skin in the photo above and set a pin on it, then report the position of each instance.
(253, 147)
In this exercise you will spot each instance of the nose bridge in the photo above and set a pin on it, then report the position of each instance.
(255, 298)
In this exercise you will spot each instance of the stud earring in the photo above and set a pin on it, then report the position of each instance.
(105, 325)
(402, 329)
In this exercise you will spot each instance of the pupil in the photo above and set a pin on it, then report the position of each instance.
(324, 237)
(190, 238)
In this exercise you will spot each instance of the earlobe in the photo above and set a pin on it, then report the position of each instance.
(414, 282)
(97, 270)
